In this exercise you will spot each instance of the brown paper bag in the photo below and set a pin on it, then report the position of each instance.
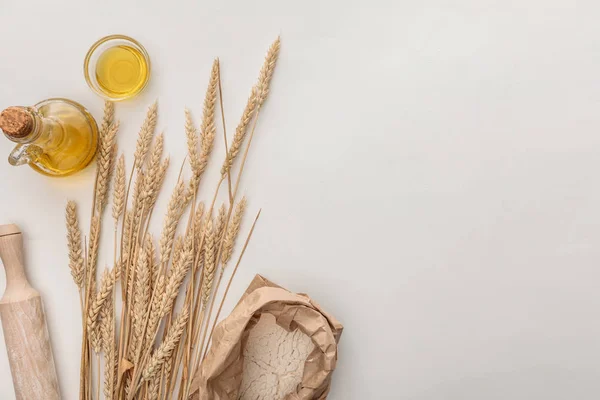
(220, 375)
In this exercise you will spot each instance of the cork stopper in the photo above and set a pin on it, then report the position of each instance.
(16, 122)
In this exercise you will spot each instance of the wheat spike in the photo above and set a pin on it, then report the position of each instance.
(257, 98)
(108, 116)
(96, 339)
(152, 173)
(106, 286)
(141, 298)
(232, 231)
(160, 178)
(125, 235)
(153, 387)
(174, 211)
(106, 324)
(145, 135)
(240, 133)
(165, 349)
(266, 72)
(155, 311)
(106, 154)
(220, 223)
(192, 139)
(209, 262)
(93, 248)
(207, 128)
(74, 244)
(152, 264)
(177, 274)
(119, 190)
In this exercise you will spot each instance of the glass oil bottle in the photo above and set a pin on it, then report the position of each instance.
(56, 137)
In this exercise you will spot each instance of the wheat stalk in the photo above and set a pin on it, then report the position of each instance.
(145, 135)
(74, 244)
(165, 349)
(119, 190)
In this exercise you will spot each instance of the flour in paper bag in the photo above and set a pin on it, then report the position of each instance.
(273, 360)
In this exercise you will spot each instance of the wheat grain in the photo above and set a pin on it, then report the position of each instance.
(165, 349)
(145, 136)
(232, 232)
(74, 244)
(119, 190)
(106, 286)
(174, 211)
(209, 262)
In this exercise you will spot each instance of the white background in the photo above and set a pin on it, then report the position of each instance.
(428, 172)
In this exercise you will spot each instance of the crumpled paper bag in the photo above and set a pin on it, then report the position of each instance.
(220, 375)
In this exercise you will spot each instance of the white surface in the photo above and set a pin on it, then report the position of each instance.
(428, 172)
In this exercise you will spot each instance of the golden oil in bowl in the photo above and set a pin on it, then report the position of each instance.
(117, 67)
(121, 71)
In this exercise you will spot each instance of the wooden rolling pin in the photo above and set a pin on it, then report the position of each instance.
(24, 325)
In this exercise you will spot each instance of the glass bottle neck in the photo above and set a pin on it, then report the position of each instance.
(43, 128)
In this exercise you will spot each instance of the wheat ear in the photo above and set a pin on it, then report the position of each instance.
(106, 286)
(145, 135)
(174, 211)
(153, 171)
(165, 349)
(220, 223)
(232, 231)
(207, 128)
(141, 297)
(209, 262)
(74, 244)
(266, 72)
(192, 138)
(106, 153)
(119, 190)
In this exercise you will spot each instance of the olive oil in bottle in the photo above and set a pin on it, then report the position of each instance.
(56, 137)
(121, 71)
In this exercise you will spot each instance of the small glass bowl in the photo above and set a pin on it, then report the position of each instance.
(91, 59)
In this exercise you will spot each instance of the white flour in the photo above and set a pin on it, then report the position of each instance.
(273, 361)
